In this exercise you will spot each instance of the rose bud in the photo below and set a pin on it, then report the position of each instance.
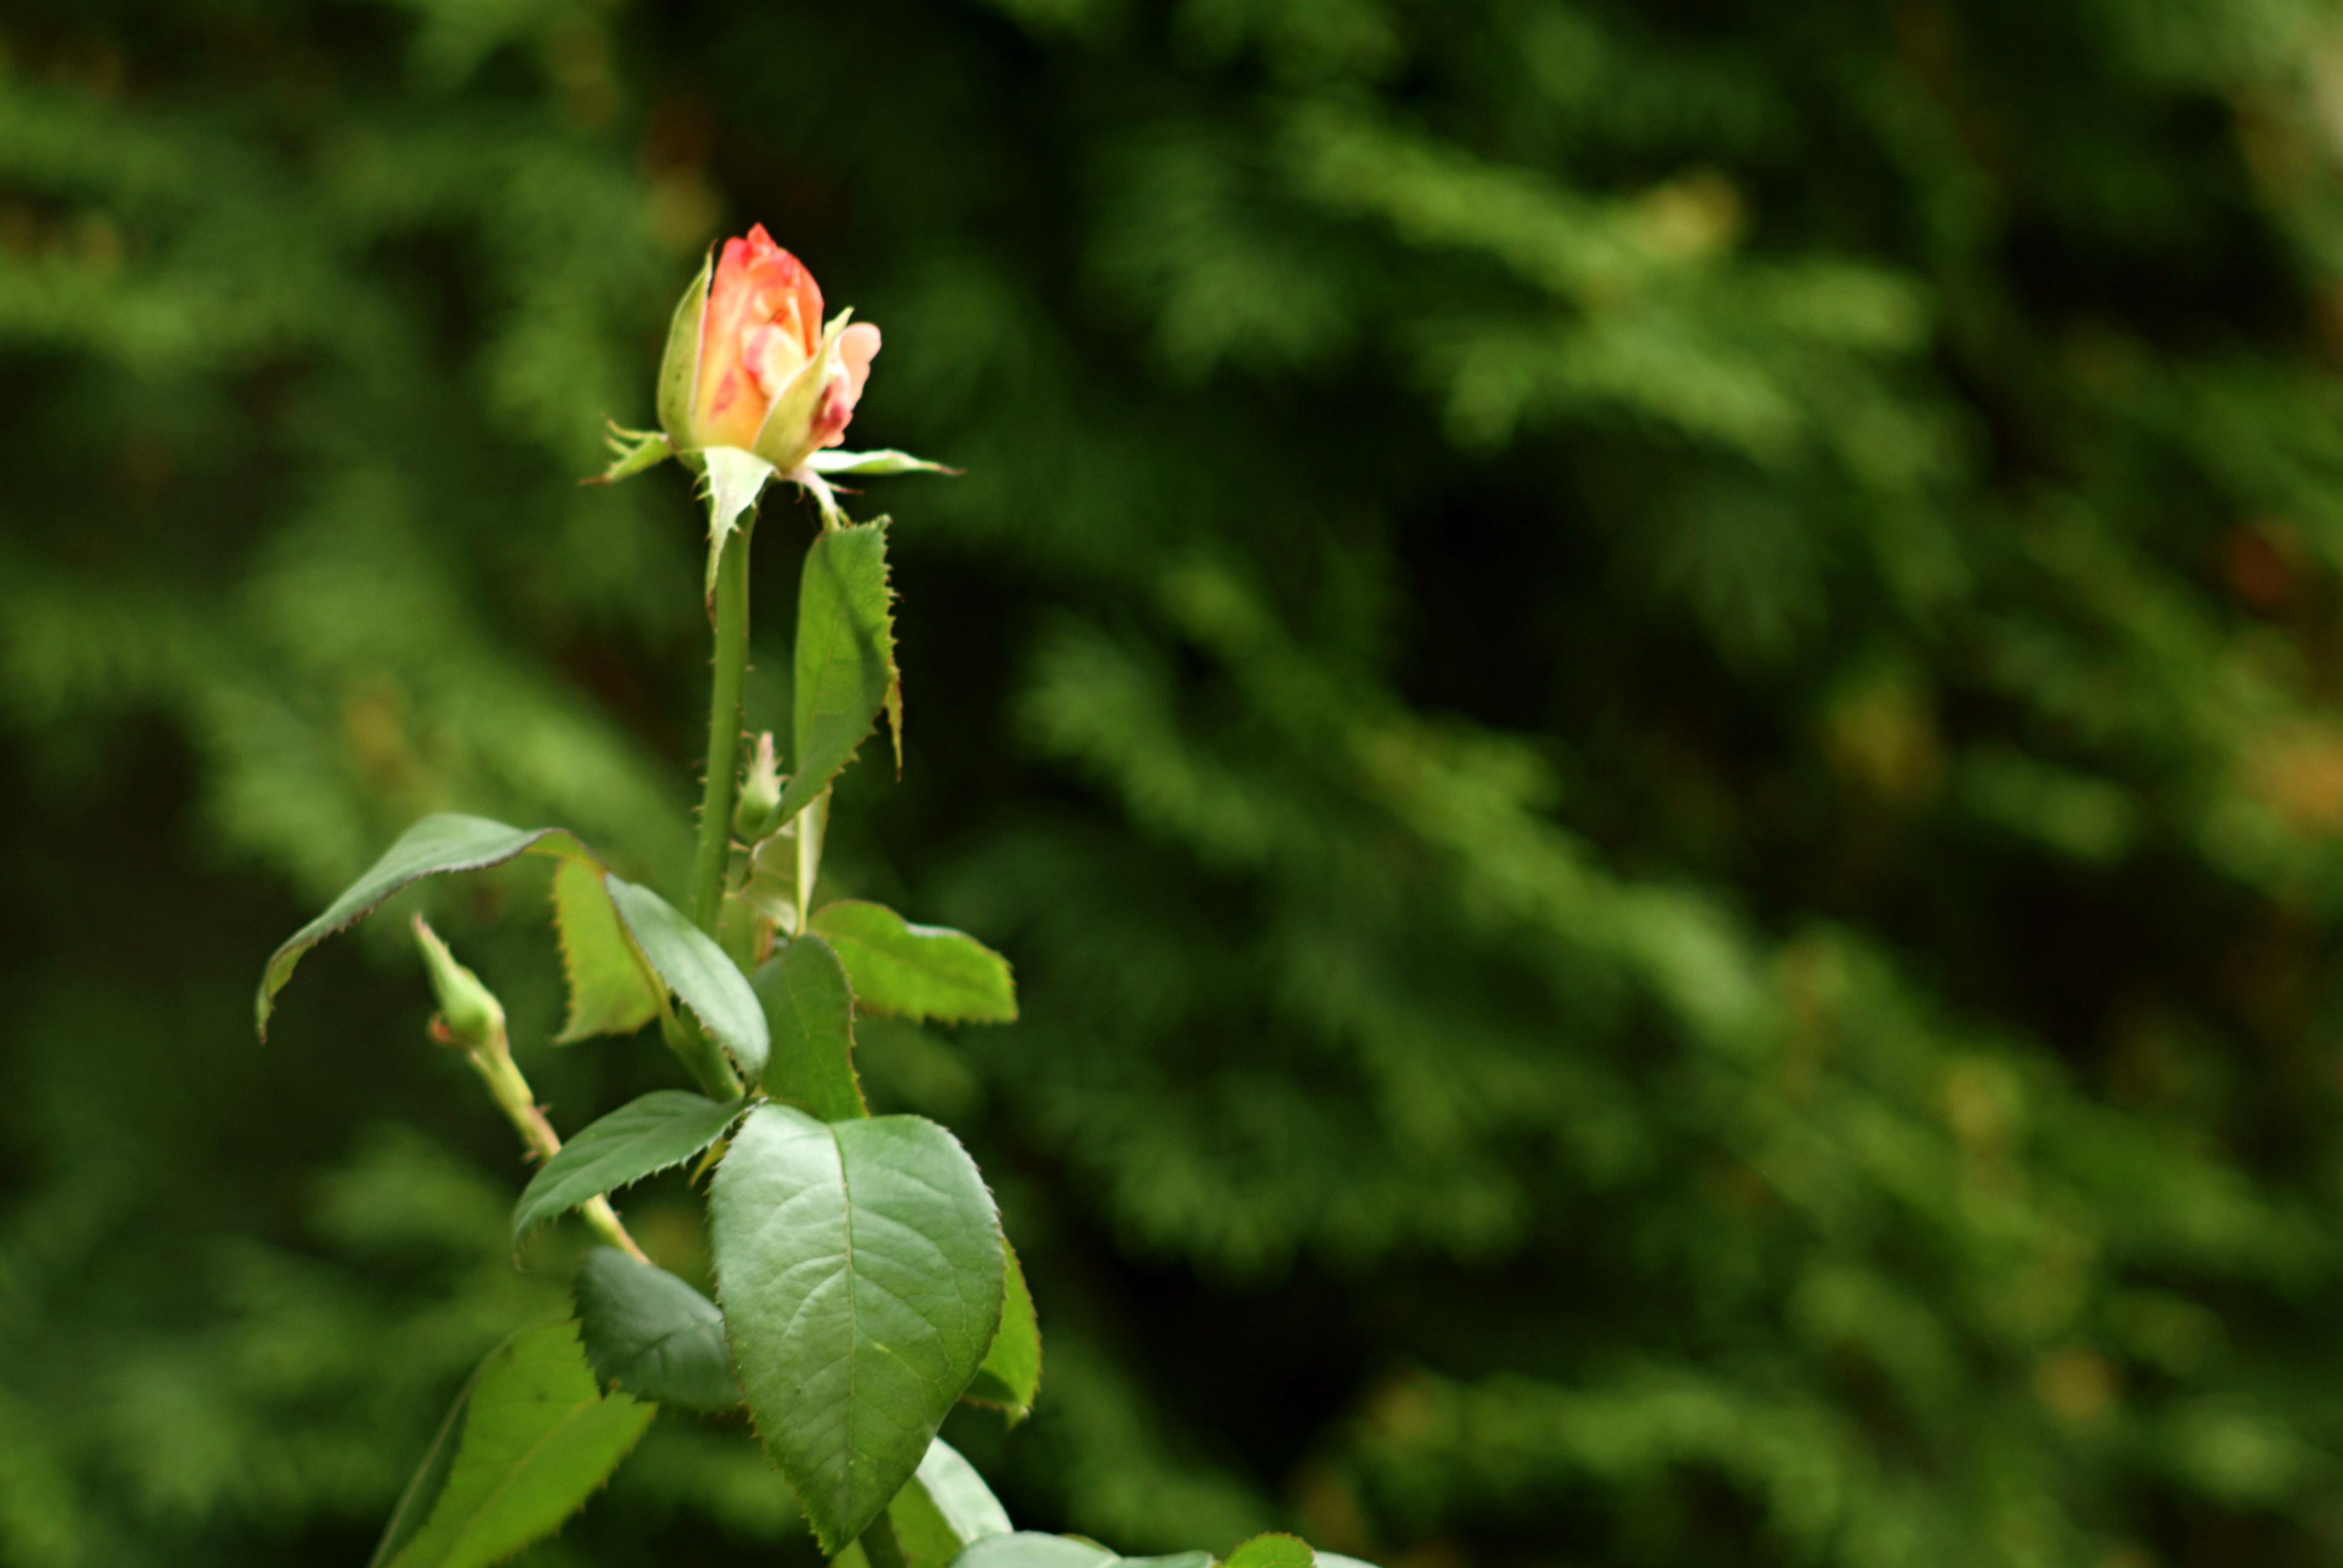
(761, 793)
(469, 1014)
(749, 364)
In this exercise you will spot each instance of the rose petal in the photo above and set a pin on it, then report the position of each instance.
(763, 321)
(858, 346)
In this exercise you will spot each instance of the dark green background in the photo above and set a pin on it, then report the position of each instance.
(1648, 691)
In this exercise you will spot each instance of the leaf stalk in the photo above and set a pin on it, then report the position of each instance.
(880, 1544)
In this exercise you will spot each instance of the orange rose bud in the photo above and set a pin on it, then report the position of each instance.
(751, 365)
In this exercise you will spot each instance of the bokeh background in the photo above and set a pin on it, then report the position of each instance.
(1650, 690)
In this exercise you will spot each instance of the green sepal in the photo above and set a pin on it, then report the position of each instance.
(609, 992)
(861, 1271)
(444, 841)
(845, 657)
(757, 810)
(632, 451)
(679, 381)
(651, 1334)
(781, 439)
(809, 1009)
(702, 977)
(735, 479)
(530, 1439)
(660, 1130)
(917, 971)
(833, 461)
(1011, 1374)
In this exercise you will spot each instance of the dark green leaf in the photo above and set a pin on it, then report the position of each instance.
(917, 971)
(942, 1508)
(445, 841)
(663, 1129)
(609, 992)
(860, 1272)
(537, 1438)
(845, 656)
(810, 1010)
(1032, 1549)
(1273, 1551)
(1012, 1372)
(653, 1335)
(697, 970)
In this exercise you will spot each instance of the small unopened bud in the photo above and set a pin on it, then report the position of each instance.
(469, 1014)
(761, 793)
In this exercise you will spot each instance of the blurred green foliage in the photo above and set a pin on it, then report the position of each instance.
(1649, 690)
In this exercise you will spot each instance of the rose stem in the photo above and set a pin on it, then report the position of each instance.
(723, 731)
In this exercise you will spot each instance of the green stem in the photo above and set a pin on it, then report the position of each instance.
(511, 1092)
(723, 732)
(813, 826)
(702, 1055)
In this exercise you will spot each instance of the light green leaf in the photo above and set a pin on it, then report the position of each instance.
(537, 1438)
(608, 993)
(942, 1508)
(739, 932)
(845, 656)
(634, 451)
(1273, 1551)
(653, 1335)
(860, 1275)
(959, 1494)
(917, 971)
(1012, 1372)
(1032, 1549)
(445, 841)
(810, 1010)
(423, 1489)
(833, 461)
(679, 381)
(662, 1130)
(772, 888)
(697, 970)
(735, 479)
